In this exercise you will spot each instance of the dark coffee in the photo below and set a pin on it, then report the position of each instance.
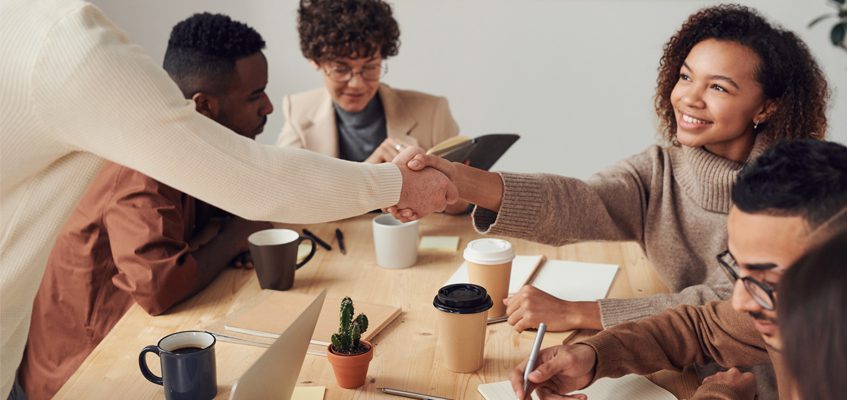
(187, 350)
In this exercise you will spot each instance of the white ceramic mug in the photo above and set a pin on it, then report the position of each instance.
(395, 242)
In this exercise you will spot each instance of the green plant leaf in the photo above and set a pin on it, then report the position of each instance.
(837, 33)
(336, 343)
(819, 19)
(839, 2)
(362, 321)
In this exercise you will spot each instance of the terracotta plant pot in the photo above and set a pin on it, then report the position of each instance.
(351, 371)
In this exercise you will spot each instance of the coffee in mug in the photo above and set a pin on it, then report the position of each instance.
(489, 263)
(274, 253)
(188, 365)
(463, 317)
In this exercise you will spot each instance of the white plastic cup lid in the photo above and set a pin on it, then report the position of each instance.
(489, 251)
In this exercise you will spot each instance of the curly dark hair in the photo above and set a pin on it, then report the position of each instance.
(787, 71)
(202, 51)
(332, 29)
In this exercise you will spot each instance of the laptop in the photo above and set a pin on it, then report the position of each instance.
(274, 374)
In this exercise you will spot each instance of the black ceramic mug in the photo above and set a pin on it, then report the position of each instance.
(274, 253)
(188, 365)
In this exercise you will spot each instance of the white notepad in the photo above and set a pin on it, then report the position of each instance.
(567, 280)
(522, 269)
(625, 387)
(575, 281)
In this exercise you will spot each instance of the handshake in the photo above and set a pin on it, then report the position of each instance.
(428, 185)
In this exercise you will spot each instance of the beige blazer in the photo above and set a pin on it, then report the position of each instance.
(411, 117)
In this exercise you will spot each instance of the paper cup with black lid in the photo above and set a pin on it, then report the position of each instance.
(463, 313)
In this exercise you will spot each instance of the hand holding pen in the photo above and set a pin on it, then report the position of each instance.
(560, 369)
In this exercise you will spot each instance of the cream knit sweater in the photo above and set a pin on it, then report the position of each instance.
(672, 201)
(73, 92)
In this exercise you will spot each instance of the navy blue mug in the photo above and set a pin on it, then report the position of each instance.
(188, 365)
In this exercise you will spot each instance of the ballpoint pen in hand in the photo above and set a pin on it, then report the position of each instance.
(533, 356)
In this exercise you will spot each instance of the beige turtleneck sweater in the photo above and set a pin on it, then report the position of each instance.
(74, 92)
(673, 201)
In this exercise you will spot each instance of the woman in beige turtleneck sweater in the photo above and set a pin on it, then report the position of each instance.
(729, 85)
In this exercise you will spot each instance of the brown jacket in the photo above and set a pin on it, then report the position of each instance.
(127, 241)
(684, 335)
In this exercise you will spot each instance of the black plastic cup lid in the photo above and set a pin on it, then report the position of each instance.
(462, 298)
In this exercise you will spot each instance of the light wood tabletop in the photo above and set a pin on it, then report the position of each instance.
(405, 355)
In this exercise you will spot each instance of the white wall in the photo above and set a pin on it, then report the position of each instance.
(574, 77)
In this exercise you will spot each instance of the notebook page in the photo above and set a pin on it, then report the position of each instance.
(575, 281)
(626, 387)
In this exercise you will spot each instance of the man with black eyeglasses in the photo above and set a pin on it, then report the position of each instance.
(792, 196)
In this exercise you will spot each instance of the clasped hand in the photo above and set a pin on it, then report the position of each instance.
(430, 186)
(424, 192)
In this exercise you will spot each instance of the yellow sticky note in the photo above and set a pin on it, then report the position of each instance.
(440, 243)
(308, 393)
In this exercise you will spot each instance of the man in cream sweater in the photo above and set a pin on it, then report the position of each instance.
(76, 92)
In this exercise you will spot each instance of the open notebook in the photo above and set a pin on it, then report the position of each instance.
(262, 319)
(567, 280)
(625, 387)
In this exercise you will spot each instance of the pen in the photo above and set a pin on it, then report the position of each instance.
(340, 237)
(317, 240)
(533, 355)
(497, 319)
(411, 395)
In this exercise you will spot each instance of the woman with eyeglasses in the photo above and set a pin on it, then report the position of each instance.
(730, 85)
(354, 116)
(813, 321)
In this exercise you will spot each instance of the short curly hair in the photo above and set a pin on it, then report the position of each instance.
(332, 29)
(787, 71)
(202, 51)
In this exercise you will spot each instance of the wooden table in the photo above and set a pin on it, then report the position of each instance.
(405, 355)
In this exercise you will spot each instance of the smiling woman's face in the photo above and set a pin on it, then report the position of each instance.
(717, 98)
(355, 94)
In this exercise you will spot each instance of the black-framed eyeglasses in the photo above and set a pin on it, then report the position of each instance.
(369, 72)
(762, 293)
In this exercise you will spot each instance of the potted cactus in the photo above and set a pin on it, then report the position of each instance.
(348, 354)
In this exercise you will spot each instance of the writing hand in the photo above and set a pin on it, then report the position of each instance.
(423, 192)
(742, 383)
(530, 306)
(559, 370)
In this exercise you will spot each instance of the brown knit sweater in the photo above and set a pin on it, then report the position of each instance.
(673, 201)
(684, 335)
